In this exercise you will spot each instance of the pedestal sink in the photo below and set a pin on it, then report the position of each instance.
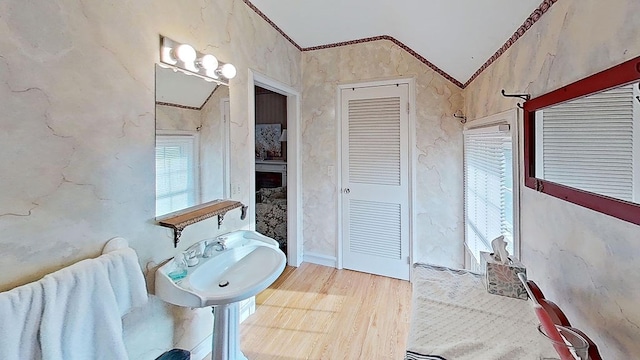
(247, 264)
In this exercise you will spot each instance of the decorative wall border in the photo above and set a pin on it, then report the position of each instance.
(262, 15)
(532, 19)
(162, 103)
(187, 106)
(397, 42)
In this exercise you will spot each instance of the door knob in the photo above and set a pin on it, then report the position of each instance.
(346, 190)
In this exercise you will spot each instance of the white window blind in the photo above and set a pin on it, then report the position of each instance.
(488, 181)
(176, 172)
(588, 143)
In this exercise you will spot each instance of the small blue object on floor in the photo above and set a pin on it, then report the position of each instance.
(175, 354)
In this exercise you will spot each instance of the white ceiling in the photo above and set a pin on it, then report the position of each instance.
(457, 36)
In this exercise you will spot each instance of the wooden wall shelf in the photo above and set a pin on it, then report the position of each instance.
(181, 219)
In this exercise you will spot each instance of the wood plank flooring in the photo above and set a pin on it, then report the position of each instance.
(317, 312)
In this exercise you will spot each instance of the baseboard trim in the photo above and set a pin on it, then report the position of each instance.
(320, 259)
(203, 349)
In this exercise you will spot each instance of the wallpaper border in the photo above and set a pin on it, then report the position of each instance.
(532, 19)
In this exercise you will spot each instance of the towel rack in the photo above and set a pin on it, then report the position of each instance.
(462, 117)
(523, 96)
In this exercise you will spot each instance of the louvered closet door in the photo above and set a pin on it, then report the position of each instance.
(375, 191)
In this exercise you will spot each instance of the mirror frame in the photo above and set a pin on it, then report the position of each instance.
(622, 74)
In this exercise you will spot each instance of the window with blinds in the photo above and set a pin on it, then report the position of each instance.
(489, 187)
(588, 143)
(176, 172)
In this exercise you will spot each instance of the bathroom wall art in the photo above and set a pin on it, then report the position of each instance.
(268, 143)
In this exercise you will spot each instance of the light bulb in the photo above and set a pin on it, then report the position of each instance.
(228, 71)
(209, 62)
(186, 53)
(166, 56)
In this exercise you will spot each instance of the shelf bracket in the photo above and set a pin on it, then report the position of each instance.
(220, 220)
(177, 232)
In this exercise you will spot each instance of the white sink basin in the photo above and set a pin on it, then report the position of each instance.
(250, 263)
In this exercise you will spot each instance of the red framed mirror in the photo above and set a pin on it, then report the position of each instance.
(582, 142)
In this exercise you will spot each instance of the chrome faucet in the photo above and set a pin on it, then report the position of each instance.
(222, 241)
(219, 244)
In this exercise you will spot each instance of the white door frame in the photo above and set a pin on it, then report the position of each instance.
(411, 82)
(294, 169)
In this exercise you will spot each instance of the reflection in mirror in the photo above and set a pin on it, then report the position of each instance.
(582, 142)
(192, 140)
(588, 143)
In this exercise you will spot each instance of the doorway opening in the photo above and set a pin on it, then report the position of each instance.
(274, 109)
(271, 165)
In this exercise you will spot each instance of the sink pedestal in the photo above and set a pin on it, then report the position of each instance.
(248, 265)
(226, 332)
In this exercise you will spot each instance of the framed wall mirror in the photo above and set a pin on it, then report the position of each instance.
(192, 140)
(582, 142)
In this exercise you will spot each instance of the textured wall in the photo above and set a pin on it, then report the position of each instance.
(77, 134)
(175, 118)
(438, 148)
(583, 260)
(212, 146)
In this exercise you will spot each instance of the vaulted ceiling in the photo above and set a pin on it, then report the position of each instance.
(456, 36)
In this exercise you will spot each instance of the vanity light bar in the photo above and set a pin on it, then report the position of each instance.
(185, 58)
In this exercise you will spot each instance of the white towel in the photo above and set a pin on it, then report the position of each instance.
(126, 278)
(20, 314)
(84, 303)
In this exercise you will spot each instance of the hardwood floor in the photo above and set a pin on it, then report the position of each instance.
(317, 312)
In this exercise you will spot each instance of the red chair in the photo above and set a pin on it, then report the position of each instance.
(537, 293)
(558, 317)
